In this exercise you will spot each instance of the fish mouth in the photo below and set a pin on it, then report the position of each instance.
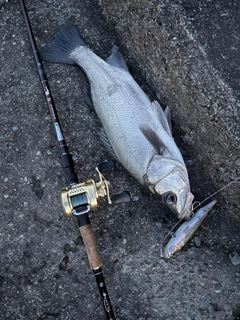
(186, 212)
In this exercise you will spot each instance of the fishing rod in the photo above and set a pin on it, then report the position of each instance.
(78, 198)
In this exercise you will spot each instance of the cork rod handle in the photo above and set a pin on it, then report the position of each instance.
(90, 245)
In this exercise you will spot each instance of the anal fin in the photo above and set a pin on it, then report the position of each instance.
(86, 92)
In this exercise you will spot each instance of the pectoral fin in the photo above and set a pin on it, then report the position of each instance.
(155, 140)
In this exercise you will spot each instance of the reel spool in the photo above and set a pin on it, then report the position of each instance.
(82, 197)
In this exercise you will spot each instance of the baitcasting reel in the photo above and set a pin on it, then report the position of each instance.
(81, 197)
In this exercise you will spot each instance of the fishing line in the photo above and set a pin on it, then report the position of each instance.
(193, 208)
(213, 194)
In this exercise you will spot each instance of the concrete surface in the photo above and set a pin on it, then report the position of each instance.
(183, 54)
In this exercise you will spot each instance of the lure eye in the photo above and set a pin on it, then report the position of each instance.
(169, 198)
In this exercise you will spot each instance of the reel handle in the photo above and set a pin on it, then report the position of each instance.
(107, 166)
(121, 198)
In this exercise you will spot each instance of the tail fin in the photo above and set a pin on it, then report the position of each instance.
(59, 50)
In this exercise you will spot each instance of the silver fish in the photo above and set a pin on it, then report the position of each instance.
(135, 130)
(186, 231)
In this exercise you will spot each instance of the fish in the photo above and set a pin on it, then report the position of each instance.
(186, 231)
(136, 131)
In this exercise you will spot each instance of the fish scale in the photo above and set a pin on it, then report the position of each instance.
(135, 129)
(125, 109)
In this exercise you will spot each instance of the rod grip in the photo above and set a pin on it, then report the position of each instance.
(90, 245)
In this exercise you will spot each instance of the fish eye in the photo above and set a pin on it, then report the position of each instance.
(169, 198)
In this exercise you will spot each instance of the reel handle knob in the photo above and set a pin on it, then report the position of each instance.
(121, 198)
(107, 166)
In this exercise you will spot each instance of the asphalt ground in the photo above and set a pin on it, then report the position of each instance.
(44, 270)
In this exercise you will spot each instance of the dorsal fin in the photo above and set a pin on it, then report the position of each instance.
(116, 59)
(163, 117)
(167, 113)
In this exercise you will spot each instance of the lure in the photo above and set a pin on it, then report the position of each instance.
(186, 231)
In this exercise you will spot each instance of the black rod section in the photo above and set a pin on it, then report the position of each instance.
(66, 157)
(104, 294)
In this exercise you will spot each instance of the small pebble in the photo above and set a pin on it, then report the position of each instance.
(74, 158)
(217, 287)
(159, 225)
(234, 257)
(237, 162)
(15, 128)
(220, 315)
(39, 153)
(5, 179)
(197, 241)
(135, 198)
